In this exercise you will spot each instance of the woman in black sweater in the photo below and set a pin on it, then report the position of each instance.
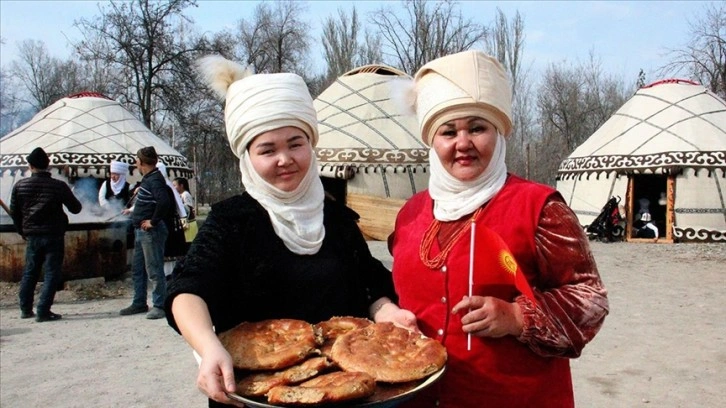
(279, 250)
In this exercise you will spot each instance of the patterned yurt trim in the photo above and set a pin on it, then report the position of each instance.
(691, 235)
(666, 163)
(94, 165)
(347, 172)
(369, 156)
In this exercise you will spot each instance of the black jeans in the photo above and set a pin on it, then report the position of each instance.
(41, 249)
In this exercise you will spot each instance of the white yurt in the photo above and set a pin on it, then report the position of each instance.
(81, 134)
(369, 154)
(663, 153)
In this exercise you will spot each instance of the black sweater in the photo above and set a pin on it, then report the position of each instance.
(244, 272)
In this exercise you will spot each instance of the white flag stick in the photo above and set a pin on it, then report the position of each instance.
(471, 276)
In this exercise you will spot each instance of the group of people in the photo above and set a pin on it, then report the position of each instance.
(495, 267)
(37, 210)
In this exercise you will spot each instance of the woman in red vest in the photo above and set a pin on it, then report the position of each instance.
(495, 267)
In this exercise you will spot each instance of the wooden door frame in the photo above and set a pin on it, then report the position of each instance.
(670, 216)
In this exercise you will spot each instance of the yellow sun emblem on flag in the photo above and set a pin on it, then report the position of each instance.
(506, 260)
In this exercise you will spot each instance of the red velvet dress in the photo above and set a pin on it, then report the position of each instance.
(571, 303)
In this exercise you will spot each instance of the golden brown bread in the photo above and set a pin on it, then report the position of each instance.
(337, 386)
(335, 327)
(258, 384)
(269, 344)
(388, 353)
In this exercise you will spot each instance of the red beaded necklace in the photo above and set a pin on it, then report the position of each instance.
(432, 232)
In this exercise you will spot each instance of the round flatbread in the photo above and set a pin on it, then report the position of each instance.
(389, 353)
(335, 387)
(269, 344)
(258, 384)
(335, 327)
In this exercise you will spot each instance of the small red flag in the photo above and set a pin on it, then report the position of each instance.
(496, 272)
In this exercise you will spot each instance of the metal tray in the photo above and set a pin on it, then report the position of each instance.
(386, 395)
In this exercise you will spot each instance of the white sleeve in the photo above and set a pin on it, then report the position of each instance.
(102, 195)
(654, 228)
(188, 199)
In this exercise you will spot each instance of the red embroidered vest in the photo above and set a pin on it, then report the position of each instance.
(495, 372)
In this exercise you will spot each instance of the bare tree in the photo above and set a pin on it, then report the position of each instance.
(11, 105)
(340, 43)
(342, 49)
(276, 39)
(196, 122)
(253, 41)
(429, 30)
(371, 49)
(505, 41)
(139, 40)
(704, 56)
(98, 75)
(45, 78)
(573, 102)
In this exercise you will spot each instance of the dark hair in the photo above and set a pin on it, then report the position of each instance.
(183, 182)
(147, 155)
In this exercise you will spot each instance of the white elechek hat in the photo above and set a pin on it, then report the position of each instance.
(469, 83)
(255, 104)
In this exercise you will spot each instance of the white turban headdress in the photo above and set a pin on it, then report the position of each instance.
(119, 167)
(122, 169)
(255, 104)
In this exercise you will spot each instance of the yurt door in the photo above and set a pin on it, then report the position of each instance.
(650, 207)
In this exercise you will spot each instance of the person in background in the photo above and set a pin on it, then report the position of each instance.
(495, 267)
(647, 229)
(152, 210)
(280, 249)
(36, 205)
(181, 185)
(114, 192)
(179, 204)
(176, 245)
(643, 207)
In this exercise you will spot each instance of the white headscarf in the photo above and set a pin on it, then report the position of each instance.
(122, 170)
(256, 104)
(297, 216)
(454, 198)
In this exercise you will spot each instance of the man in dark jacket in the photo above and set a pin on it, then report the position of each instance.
(37, 210)
(152, 208)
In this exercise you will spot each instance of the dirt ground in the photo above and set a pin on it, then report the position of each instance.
(663, 344)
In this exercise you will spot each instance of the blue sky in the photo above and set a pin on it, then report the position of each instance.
(625, 35)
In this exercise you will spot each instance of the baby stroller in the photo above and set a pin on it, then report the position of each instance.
(606, 226)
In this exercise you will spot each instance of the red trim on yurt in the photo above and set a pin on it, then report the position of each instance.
(670, 81)
(88, 94)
